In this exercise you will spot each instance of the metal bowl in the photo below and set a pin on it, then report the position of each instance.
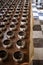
(7, 43)
(10, 34)
(6, 21)
(23, 27)
(20, 44)
(14, 20)
(12, 27)
(18, 56)
(2, 26)
(3, 55)
(21, 34)
(23, 22)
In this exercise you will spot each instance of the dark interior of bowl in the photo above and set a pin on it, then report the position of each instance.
(14, 20)
(25, 9)
(2, 12)
(13, 3)
(18, 55)
(0, 15)
(26, 6)
(9, 33)
(11, 9)
(5, 20)
(22, 26)
(12, 25)
(21, 33)
(9, 12)
(2, 53)
(16, 15)
(6, 42)
(7, 15)
(24, 15)
(1, 26)
(23, 20)
(18, 9)
(25, 12)
(17, 12)
(19, 42)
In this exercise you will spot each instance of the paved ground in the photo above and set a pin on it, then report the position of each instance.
(38, 35)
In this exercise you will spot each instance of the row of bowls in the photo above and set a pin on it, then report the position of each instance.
(7, 7)
(17, 56)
